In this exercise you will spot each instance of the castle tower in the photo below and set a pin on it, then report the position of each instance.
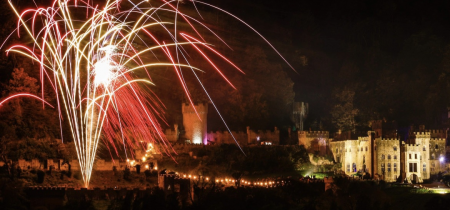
(195, 126)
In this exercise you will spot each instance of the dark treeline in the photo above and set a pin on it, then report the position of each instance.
(365, 59)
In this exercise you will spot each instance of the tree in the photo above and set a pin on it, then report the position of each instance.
(343, 112)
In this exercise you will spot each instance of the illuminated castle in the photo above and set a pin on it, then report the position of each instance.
(381, 153)
(195, 131)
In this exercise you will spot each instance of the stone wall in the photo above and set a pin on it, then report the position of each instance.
(220, 137)
(99, 165)
(314, 141)
(259, 137)
(387, 153)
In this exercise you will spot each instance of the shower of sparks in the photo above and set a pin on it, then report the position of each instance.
(89, 54)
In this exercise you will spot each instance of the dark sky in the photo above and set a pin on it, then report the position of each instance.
(397, 50)
(395, 55)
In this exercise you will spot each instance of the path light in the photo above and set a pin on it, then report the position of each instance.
(441, 159)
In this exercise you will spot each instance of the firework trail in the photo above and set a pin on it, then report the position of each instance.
(89, 55)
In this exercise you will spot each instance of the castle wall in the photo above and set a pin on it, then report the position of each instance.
(226, 138)
(314, 141)
(416, 165)
(257, 137)
(354, 155)
(387, 153)
(195, 126)
(172, 135)
(437, 151)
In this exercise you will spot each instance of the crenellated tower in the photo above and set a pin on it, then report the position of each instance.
(195, 126)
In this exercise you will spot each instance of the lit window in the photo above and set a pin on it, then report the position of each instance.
(382, 167)
(424, 167)
(389, 167)
(354, 167)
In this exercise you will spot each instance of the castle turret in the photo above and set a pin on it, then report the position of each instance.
(195, 125)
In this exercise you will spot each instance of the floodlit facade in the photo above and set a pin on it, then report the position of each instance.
(391, 159)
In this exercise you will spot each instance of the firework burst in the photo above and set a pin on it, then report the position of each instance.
(89, 54)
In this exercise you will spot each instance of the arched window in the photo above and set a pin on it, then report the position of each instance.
(389, 157)
(395, 157)
(436, 147)
(389, 167)
(395, 148)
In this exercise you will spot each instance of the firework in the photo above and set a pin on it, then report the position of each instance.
(89, 53)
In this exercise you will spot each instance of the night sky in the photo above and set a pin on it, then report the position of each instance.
(393, 55)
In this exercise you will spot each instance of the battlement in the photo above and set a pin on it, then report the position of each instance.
(437, 139)
(436, 131)
(363, 138)
(390, 139)
(412, 145)
(422, 133)
(314, 132)
(227, 133)
(201, 108)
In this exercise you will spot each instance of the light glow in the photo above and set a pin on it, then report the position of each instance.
(90, 61)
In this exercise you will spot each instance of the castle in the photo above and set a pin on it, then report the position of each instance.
(381, 153)
(196, 131)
